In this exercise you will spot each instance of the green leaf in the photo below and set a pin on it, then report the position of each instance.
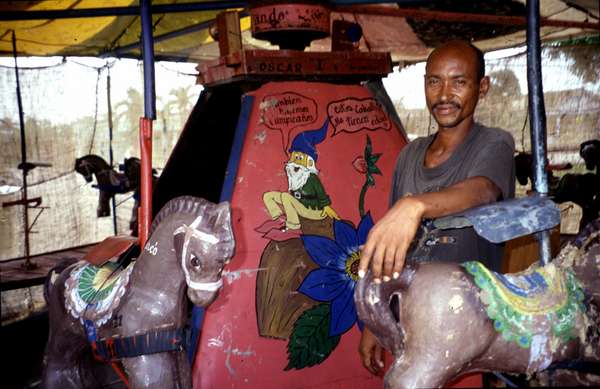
(373, 158)
(374, 170)
(310, 343)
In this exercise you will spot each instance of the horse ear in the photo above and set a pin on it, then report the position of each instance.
(223, 214)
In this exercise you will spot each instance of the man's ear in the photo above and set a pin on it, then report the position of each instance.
(484, 86)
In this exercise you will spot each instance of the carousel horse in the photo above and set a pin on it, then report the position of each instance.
(581, 189)
(137, 315)
(109, 182)
(450, 319)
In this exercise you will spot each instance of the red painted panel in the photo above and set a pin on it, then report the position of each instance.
(261, 291)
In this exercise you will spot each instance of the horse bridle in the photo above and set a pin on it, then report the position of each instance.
(192, 231)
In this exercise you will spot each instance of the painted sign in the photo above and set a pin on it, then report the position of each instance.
(313, 175)
(290, 16)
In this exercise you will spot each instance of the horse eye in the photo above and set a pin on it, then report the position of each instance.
(194, 261)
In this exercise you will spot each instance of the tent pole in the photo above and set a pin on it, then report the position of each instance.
(110, 148)
(23, 166)
(537, 114)
(145, 210)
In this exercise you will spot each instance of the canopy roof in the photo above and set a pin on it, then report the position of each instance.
(407, 29)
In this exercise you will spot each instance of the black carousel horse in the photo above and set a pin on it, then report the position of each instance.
(581, 189)
(110, 182)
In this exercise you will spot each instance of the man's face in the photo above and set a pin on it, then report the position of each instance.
(451, 85)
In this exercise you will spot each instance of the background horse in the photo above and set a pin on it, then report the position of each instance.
(190, 241)
(443, 324)
(581, 189)
(109, 181)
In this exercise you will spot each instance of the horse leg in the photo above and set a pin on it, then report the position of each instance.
(410, 371)
(68, 360)
(103, 204)
(133, 222)
(160, 371)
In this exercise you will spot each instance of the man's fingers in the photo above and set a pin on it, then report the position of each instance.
(370, 363)
(377, 262)
(388, 263)
(366, 253)
(398, 263)
(378, 353)
(367, 360)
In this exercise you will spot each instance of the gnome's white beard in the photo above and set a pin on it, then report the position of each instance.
(298, 175)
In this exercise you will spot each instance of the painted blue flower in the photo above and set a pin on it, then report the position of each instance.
(334, 281)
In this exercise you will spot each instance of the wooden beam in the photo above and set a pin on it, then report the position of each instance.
(461, 17)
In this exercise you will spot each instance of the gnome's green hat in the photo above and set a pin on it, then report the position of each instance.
(305, 142)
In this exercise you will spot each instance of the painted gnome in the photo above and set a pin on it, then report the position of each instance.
(306, 196)
(304, 209)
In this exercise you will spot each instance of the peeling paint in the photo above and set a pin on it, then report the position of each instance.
(456, 303)
(236, 352)
(539, 357)
(372, 297)
(231, 276)
(261, 136)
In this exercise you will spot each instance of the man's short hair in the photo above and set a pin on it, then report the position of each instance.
(478, 56)
(480, 62)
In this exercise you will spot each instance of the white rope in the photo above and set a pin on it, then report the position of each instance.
(191, 231)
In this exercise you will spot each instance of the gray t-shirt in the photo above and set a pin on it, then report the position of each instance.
(486, 152)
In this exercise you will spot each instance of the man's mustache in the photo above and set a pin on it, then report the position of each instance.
(455, 105)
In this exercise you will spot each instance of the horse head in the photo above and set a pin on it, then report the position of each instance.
(523, 167)
(85, 168)
(89, 165)
(590, 152)
(203, 248)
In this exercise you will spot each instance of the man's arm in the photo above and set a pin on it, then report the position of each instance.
(388, 241)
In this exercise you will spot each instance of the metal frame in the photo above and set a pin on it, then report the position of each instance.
(538, 122)
(145, 209)
(537, 114)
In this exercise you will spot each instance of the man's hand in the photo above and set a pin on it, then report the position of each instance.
(371, 353)
(388, 241)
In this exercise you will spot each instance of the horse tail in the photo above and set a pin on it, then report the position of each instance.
(378, 306)
(53, 274)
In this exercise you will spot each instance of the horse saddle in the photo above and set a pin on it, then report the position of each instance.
(114, 247)
(538, 300)
(93, 292)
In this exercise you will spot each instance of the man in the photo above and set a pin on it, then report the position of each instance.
(306, 195)
(462, 166)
